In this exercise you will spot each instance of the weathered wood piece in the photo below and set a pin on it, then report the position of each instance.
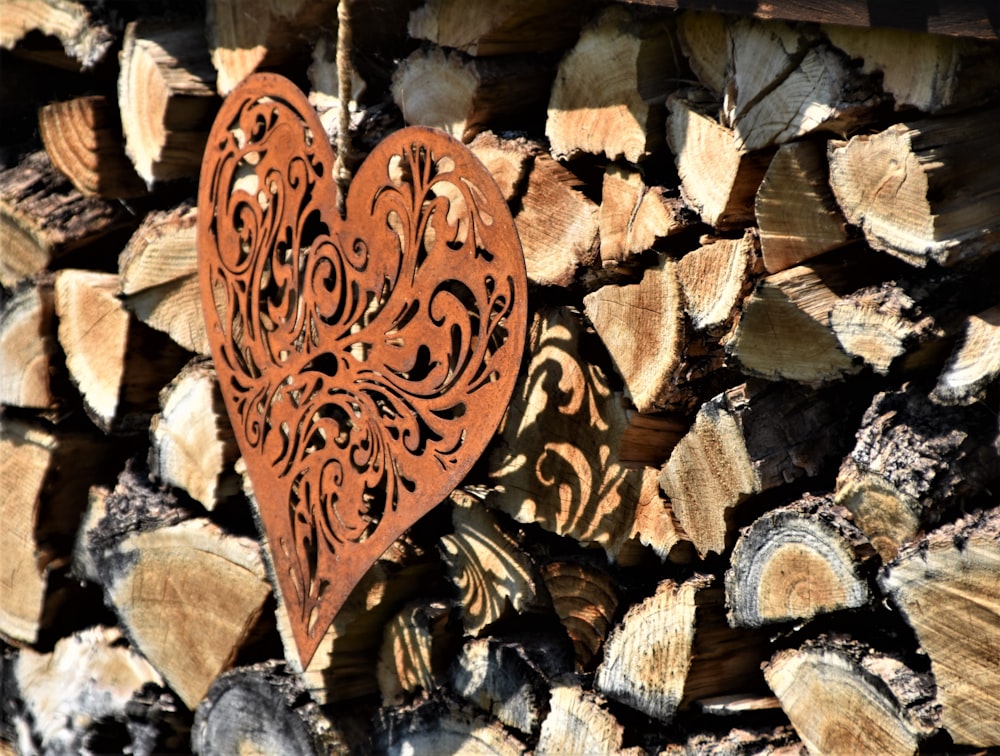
(510, 677)
(843, 697)
(30, 364)
(485, 27)
(796, 212)
(166, 94)
(948, 588)
(642, 327)
(917, 189)
(740, 741)
(975, 362)
(193, 447)
(442, 726)
(704, 39)
(83, 138)
(796, 562)
(118, 364)
(579, 722)
(751, 438)
(415, 651)
(610, 88)
(158, 272)
(719, 180)
(557, 462)
(86, 39)
(668, 651)
(914, 460)
(508, 160)
(44, 219)
(716, 278)
(585, 599)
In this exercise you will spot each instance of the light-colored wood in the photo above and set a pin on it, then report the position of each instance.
(719, 180)
(493, 576)
(715, 278)
(844, 698)
(796, 213)
(462, 96)
(796, 562)
(610, 88)
(752, 438)
(192, 443)
(442, 727)
(29, 353)
(917, 189)
(913, 461)
(579, 722)
(975, 362)
(704, 38)
(83, 138)
(118, 364)
(489, 27)
(158, 270)
(642, 327)
(166, 94)
(783, 83)
(948, 589)
(508, 160)
(86, 40)
(44, 219)
(668, 651)
(585, 598)
(634, 216)
(413, 658)
(557, 460)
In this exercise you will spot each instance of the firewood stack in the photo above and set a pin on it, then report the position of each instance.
(744, 497)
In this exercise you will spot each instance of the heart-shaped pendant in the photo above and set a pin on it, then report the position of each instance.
(365, 361)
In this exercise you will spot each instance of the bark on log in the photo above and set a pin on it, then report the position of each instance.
(158, 270)
(948, 588)
(918, 191)
(166, 94)
(750, 439)
(579, 722)
(843, 697)
(796, 562)
(609, 92)
(32, 373)
(585, 599)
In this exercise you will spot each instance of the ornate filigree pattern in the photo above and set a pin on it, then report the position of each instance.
(365, 361)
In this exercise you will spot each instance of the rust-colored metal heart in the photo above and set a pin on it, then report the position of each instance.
(365, 361)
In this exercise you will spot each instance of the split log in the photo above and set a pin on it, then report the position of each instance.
(557, 462)
(975, 362)
(117, 363)
(492, 575)
(86, 40)
(784, 82)
(648, 439)
(158, 270)
(913, 461)
(929, 72)
(918, 191)
(416, 649)
(635, 216)
(642, 328)
(609, 92)
(752, 438)
(441, 726)
(462, 95)
(166, 94)
(509, 677)
(796, 562)
(83, 138)
(31, 369)
(843, 697)
(186, 593)
(948, 588)
(508, 160)
(704, 39)
(44, 220)
(93, 693)
(193, 446)
(796, 212)
(44, 477)
(719, 180)
(585, 599)
(579, 722)
(497, 28)
(716, 278)
(263, 709)
(675, 647)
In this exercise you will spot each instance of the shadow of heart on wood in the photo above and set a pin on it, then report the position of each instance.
(365, 361)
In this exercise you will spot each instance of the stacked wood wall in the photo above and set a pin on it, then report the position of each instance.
(744, 498)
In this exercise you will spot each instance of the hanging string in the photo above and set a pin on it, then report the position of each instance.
(341, 172)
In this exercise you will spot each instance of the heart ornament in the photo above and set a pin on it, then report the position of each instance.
(365, 361)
